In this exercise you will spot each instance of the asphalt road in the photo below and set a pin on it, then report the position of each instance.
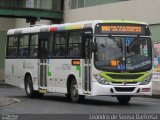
(57, 104)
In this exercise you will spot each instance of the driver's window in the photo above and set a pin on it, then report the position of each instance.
(144, 48)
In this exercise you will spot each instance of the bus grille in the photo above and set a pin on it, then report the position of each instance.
(124, 89)
(125, 82)
(125, 76)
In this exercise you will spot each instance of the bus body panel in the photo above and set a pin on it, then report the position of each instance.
(99, 89)
(16, 69)
(105, 90)
(58, 69)
(60, 73)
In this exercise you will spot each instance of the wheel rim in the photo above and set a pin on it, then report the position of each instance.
(74, 91)
(28, 88)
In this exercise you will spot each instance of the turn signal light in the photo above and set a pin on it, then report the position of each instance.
(75, 62)
(146, 89)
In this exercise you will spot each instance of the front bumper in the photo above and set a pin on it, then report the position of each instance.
(127, 89)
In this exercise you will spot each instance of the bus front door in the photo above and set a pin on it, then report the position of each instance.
(43, 63)
(87, 66)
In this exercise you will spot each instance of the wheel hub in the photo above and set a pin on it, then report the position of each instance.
(28, 89)
(74, 91)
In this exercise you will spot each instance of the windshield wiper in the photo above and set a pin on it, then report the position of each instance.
(117, 43)
(133, 43)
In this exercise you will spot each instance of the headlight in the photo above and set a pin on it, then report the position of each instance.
(101, 80)
(147, 80)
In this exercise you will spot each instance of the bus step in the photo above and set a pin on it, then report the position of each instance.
(87, 93)
(42, 91)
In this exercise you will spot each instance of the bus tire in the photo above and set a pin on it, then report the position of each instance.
(123, 99)
(29, 88)
(73, 93)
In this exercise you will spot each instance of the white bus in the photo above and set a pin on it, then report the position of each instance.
(91, 58)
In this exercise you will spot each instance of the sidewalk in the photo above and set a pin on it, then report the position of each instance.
(3, 84)
(1, 81)
(4, 101)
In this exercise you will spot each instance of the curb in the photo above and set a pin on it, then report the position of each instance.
(4, 85)
(5, 101)
(153, 96)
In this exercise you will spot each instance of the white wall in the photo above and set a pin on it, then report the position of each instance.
(6, 23)
(139, 10)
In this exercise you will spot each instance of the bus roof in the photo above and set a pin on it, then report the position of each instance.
(34, 29)
(66, 26)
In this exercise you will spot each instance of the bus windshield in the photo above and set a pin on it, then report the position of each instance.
(123, 53)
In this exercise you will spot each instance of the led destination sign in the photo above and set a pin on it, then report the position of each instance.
(120, 29)
(128, 29)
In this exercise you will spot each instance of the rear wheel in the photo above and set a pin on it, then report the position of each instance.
(73, 93)
(124, 99)
(29, 88)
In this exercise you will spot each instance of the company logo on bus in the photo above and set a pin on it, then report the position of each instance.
(124, 83)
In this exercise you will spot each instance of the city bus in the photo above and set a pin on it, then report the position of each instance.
(90, 58)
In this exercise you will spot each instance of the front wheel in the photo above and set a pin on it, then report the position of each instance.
(124, 99)
(73, 93)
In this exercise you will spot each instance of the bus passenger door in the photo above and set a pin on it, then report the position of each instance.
(87, 66)
(43, 62)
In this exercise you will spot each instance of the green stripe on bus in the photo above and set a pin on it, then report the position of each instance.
(49, 73)
(78, 68)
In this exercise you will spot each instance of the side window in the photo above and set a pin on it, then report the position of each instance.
(74, 45)
(12, 46)
(60, 44)
(51, 45)
(34, 45)
(23, 45)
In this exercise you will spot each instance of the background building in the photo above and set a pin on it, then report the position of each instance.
(23, 13)
(139, 10)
